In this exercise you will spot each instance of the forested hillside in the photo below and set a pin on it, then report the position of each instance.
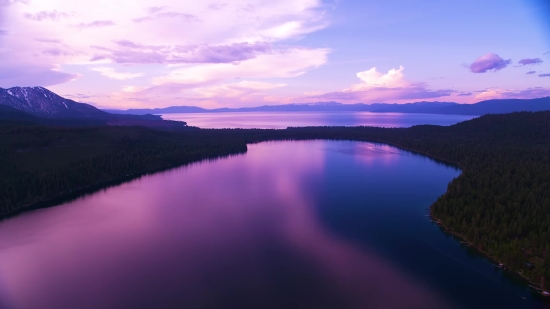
(500, 203)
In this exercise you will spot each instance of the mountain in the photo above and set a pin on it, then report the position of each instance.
(306, 107)
(39, 105)
(481, 108)
(41, 102)
(498, 107)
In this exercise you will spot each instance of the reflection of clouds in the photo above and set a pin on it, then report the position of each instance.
(211, 228)
(364, 279)
(370, 153)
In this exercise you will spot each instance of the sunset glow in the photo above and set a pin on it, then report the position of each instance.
(144, 53)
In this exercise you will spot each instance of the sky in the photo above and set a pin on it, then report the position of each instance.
(239, 53)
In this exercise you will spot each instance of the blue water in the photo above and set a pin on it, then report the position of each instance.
(283, 120)
(309, 224)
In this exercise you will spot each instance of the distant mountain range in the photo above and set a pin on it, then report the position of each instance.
(481, 108)
(39, 105)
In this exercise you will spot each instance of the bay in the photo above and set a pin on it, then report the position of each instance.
(282, 120)
(309, 224)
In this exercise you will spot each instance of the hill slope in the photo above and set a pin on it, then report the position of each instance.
(39, 105)
(41, 102)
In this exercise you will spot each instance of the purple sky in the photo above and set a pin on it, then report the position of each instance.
(211, 53)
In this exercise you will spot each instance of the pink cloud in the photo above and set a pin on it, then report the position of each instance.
(529, 93)
(155, 16)
(57, 52)
(136, 53)
(43, 15)
(156, 9)
(217, 6)
(53, 41)
(96, 24)
(11, 76)
(529, 61)
(489, 62)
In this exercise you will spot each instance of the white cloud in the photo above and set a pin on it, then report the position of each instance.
(132, 89)
(376, 87)
(240, 89)
(373, 78)
(289, 63)
(111, 73)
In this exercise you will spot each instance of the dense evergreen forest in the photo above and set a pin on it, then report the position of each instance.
(500, 203)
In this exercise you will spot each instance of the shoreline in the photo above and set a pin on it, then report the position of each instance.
(77, 193)
(538, 289)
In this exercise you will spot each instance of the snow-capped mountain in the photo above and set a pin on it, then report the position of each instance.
(41, 102)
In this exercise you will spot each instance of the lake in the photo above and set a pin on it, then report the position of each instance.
(283, 120)
(309, 224)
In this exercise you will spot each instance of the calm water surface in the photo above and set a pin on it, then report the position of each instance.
(283, 120)
(312, 224)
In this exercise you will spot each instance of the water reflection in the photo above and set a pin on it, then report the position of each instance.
(241, 232)
(282, 120)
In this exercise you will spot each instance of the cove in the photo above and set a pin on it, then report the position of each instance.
(309, 224)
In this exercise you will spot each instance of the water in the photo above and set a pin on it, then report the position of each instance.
(313, 224)
(283, 120)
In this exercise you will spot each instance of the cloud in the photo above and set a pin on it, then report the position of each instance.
(57, 52)
(111, 73)
(546, 53)
(278, 64)
(373, 78)
(465, 94)
(489, 62)
(130, 52)
(376, 87)
(3, 32)
(156, 9)
(528, 61)
(96, 24)
(529, 93)
(43, 15)
(544, 75)
(217, 6)
(10, 2)
(154, 16)
(132, 89)
(531, 72)
(11, 76)
(234, 90)
(246, 39)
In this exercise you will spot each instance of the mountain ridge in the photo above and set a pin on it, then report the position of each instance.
(40, 105)
(498, 106)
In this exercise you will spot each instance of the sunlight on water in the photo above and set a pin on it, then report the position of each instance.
(282, 120)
